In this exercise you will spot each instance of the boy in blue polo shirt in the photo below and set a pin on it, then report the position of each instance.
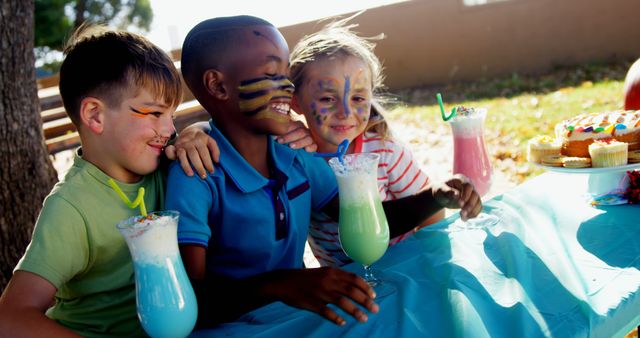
(243, 228)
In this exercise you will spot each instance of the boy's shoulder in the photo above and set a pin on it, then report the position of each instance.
(291, 157)
(86, 190)
(83, 178)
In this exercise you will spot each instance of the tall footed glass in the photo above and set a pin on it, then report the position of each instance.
(470, 158)
(362, 227)
(165, 299)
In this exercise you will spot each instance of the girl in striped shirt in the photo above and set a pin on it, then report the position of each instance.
(337, 76)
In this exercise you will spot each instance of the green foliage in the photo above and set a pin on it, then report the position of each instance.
(51, 24)
(56, 19)
(120, 13)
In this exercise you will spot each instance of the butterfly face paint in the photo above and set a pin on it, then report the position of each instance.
(349, 97)
(266, 97)
(360, 96)
(324, 106)
(335, 97)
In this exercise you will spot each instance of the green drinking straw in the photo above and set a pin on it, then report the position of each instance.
(138, 201)
(442, 113)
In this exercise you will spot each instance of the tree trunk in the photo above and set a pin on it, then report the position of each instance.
(26, 172)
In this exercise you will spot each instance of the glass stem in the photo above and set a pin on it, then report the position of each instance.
(368, 275)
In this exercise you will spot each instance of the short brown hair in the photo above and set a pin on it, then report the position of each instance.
(107, 64)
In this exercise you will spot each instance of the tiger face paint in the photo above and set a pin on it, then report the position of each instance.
(266, 97)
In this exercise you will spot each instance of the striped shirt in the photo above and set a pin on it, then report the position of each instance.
(398, 176)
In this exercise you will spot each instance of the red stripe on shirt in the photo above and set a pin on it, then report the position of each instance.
(376, 138)
(397, 162)
(410, 183)
(358, 143)
(403, 173)
(426, 181)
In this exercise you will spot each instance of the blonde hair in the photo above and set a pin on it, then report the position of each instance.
(338, 39)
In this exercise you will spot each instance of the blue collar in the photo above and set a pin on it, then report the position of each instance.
(243, 175)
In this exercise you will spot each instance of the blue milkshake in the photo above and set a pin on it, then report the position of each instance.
(165, 300)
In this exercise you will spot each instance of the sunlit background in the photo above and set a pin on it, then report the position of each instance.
(171, 22)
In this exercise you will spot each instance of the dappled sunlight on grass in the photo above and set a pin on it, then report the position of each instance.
(532, 107)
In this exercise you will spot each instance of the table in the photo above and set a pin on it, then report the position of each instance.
(553, 267)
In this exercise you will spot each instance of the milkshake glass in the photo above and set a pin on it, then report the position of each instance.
(165, 299)
(362, 227)
(470, 157)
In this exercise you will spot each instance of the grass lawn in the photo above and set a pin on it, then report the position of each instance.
(519, 107)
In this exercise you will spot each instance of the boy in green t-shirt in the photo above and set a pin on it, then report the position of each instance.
(76, 276)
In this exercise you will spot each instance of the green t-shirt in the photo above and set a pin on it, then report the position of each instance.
(77, 248)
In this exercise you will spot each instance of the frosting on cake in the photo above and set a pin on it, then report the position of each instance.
(599, 125)
(577, 133)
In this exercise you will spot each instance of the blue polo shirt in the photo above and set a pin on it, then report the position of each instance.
(248, 223)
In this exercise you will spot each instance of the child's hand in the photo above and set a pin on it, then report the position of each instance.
(315, 289)
(297, 137)
(194, 147)
(458, 192)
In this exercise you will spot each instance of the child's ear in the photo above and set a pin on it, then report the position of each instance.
(213, 81)
(92, 114)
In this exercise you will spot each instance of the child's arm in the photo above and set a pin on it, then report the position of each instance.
(194, 147)
(298, 137)
(222, 299)
(407, 213)
(22, 307)
(315, 289)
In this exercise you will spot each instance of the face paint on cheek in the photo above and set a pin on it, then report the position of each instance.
(362, 113)
(362, 86)
(319, 115)
(255, 96)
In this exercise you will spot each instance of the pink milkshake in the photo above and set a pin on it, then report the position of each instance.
(470, 156)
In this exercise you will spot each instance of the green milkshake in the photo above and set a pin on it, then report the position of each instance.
(363, 228)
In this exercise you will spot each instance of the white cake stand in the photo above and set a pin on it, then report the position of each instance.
(603, 182)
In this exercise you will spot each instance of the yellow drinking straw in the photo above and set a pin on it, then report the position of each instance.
(138, 201)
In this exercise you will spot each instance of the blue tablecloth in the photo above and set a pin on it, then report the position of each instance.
(554, 266)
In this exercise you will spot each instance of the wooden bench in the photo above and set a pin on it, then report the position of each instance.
(61, 134)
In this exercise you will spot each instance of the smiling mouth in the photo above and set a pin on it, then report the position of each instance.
(280, 108)
(342, 128)
(157, 146)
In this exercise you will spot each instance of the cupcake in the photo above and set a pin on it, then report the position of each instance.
(633, 156)
(608, 153)
(541, 146)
